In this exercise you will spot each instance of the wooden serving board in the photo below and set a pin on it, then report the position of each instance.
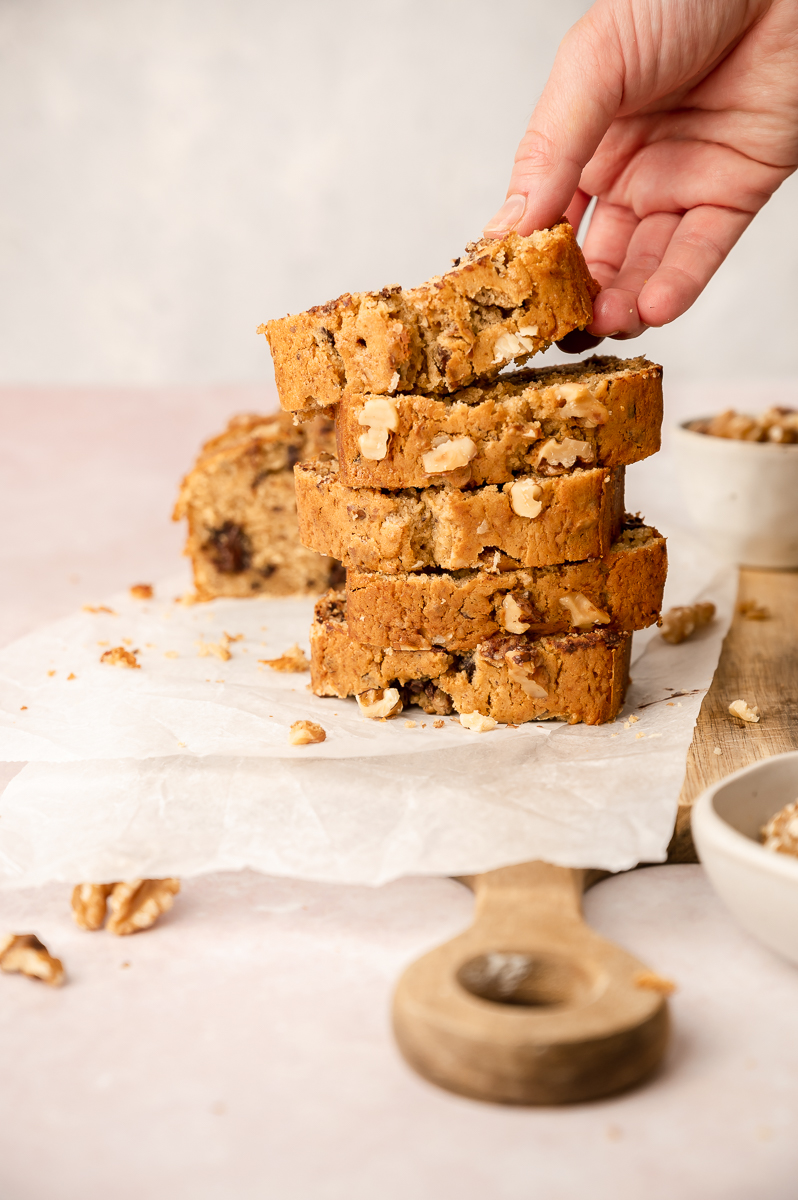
(529, 1005)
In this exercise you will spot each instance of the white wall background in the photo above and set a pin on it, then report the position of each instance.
(176, 171)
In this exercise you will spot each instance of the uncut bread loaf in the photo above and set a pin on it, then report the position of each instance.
(503, 301)
(576, 677)
(456, 610)
(600, 412)
(240, 504)
(535, 520)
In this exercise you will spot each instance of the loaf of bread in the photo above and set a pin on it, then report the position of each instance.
(602, 412)
(503, 301)
(576, 677)
(240, 503)
(535, 520)
(457, 610)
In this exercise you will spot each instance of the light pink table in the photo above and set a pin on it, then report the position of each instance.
(245, 1051)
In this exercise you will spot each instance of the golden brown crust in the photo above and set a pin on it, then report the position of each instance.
(578, 677)
(581, 515)
(240, 504)
(458, 610)
(509, 421)
(503, 301)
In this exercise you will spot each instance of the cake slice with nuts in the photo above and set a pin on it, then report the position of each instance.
(600, 412)
(240, 503)
(510, 678)
(502, 302)
(534, 520)
(456, 610)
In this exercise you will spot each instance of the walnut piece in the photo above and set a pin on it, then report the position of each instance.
(89, 904)
(305, 733)
(523, 673)
(582, 612)
(773, 425)
(137, 905)
(510, 345)
(780, 833)
(752, 611)
(141, 591)
(563, 454)
(681, 622)
(294, 660)
(449, 455)
(380, 702)
(381, 417)
(24, 954)
(118, 656)
(739, 708)
(477, 722)
(576, 400)
(513, 615)
(525, 498)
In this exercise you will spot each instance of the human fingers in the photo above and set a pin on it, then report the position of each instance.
(616, 311)
(609, 233)
(576, 210)
(700, 243)
(578, 104)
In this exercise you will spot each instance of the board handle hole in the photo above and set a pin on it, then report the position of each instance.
(530, 980)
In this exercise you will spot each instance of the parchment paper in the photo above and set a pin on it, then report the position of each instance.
(161, 771)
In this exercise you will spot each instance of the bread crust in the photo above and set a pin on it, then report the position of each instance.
(240, 504)
(440, 336)
(510, 421)
(577, 677)
(458, 610)
(580, 517)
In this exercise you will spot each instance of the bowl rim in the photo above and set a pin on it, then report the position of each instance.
(680, 429)
(725, 837)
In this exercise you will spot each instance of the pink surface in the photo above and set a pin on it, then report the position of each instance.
(246, 1050)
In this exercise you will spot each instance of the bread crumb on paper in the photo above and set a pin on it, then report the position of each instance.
(118, 656)
(220, 649)
(305, 733)
(141, 591)
(408, 724)
(99, 608)
(293, 660)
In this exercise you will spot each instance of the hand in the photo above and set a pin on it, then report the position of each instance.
(681, 117)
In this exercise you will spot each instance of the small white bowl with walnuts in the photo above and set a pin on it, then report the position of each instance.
(739, 479)
(745, 829)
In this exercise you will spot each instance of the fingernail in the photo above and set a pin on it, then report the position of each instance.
(507, 217)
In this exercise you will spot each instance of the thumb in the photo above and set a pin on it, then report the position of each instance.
(579, 102)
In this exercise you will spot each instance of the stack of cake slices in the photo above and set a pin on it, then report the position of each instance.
(491, 569)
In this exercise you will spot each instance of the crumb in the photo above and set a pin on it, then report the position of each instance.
(654, 983)
(220, 649)
(127, 641)
(120, 657)
(670, 704)
(99, 608)
(234, 637)
(71, 675)
(106, 643)
(424, 725)
(753, 611)
(739, 708)
(22, 707)
(717, 750)
(408, 724)
(614, 1133)
(182, 745)
(141, 591)
(171, 654)
(304, 733)
(438, 724)
(294, 659)
(124, 965)
(630, 721)
(639, 735)
(51, 672)
(187, 599)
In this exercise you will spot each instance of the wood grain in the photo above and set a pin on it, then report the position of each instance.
(530, 1005)
(759, 664)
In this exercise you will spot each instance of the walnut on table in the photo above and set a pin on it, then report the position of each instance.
(305, 733)
(379, 703)
(681, 622)
(746, 712)
(23, 953)
(135, 905)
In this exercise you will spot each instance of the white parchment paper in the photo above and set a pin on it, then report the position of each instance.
(184, 766)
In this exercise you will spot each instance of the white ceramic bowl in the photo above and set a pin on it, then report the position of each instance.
(758, 886)
(742, 496)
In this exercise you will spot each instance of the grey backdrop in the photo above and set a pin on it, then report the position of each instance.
(176, 171)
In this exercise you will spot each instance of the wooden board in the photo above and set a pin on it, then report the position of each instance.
(759, 664)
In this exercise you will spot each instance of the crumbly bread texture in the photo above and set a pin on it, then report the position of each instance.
(578, 677)
(458, 610)
(239, 500)
(535, 520)
(601, 412)
(503, 301)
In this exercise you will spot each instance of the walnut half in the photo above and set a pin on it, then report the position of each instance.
(135, 905)
(682, 622)
(23, 953)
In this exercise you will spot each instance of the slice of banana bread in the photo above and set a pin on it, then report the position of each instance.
(240, 503)
(534, 520)
(501, 302)
(576, 677)
(600, 412)
(456, 610)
